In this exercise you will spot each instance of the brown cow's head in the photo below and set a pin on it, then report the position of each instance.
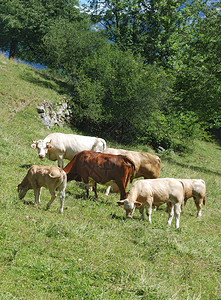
(22, 190)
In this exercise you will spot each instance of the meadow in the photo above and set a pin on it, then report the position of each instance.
(92, 251)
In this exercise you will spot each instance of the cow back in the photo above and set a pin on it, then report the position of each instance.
(147, 165)
(101, 167)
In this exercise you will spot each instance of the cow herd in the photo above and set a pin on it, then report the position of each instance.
(92, 162)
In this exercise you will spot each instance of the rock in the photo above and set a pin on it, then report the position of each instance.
(40, 109)
(54, 114)
(160, 149)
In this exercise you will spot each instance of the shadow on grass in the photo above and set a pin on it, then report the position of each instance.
(29, 203)
(117, 217)
(44, 80)
(80, 196)
(195, 168)
(25, 166)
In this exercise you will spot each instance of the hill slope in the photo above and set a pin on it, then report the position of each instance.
(92, 251)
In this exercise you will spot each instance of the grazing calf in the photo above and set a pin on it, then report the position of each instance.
(101, 168)
(59, 146)
(147, 165)
(37, 177)
(195, 188)
(148, 192)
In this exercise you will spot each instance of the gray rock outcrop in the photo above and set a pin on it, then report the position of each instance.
(54, 114)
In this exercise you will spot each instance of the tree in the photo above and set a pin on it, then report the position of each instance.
(119, 96)
(159, 30)
(183, 37)
(199, 81)
(113, 92)
(25, 22)
(68, 44)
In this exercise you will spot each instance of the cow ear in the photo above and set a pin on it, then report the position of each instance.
(137, 204)
(121, 202)
(34, 144)
(49, 146)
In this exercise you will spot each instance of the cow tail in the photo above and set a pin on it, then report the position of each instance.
(133, 173)
(68, 167)
(104, 144)
(95, 145)
(133, 170)
(181, 181)
(204, 200)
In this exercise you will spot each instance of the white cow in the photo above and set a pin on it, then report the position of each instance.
(148, 192)
(59, 146)
(50, 177)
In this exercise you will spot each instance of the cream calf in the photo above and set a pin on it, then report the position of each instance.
(148, 192)
(195, 188)
(37, 177)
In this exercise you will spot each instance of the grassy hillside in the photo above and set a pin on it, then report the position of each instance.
(92, 251)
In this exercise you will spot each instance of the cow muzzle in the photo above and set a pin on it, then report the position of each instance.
(129, 216)
(41, 156)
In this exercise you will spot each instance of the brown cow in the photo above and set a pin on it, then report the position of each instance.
(101, 168)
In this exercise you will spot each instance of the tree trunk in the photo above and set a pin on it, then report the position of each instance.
(13, 48)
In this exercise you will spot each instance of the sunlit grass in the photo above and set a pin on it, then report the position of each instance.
(92, 251)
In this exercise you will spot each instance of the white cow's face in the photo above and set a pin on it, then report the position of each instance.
(42, 147)
(129, 208)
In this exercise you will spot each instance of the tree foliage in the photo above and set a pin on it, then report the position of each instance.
(199, 82)
(182, 36)
(67, 44)
(24, 23)
(149, 74)
(159, 30)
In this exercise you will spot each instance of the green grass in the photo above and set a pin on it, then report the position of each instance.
(92, 251)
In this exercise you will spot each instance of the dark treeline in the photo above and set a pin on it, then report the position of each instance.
(138, 71)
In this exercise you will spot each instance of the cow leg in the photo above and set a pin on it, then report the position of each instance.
(60, 161)
(123, 193)
(198, 203)
(141, 209)
(107, 190)
(37, 192)
(62, 197)
(148, 212)
(87, 186)
(177, 210)
(95, 189)
(53, 196)
(170, 208)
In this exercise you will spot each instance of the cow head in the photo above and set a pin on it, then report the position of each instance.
(43, 147)
(22, 190)
(129, 206)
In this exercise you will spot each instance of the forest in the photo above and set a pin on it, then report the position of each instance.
(135, 71)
